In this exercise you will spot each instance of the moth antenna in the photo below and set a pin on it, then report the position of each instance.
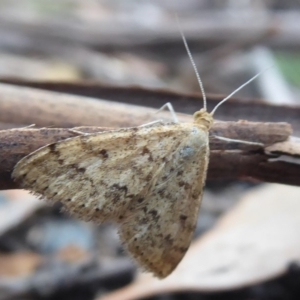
(239, 88)
(193, 63)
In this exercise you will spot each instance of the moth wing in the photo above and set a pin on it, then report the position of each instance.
(97, 176)
(159, 233)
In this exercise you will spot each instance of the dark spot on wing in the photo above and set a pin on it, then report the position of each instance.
(187, 186)
(145, 151)
(140, 200)
(130, 196)
(104, 153)
(168, 239)
(122, 188)
(77, 168)
(161, 193)
(52, 148)
(153, 212)
(155, 216)
(182, 249)
(116, 192)
(183, 217)
(181, 183)
(144, 221)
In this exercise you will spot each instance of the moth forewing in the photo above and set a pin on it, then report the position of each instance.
(159, 232)
(147, 179)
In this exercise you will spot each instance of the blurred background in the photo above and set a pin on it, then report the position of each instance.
(139, 42)
(247, 243)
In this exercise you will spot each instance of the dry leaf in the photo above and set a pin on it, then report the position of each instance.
(18, 264)
(20, 204)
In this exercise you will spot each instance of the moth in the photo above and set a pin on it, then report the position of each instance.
(148, 179)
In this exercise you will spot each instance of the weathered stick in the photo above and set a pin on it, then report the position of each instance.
(228, 159)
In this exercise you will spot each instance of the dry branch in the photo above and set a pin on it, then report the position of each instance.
(44, 108)
(228, 160)
(235, 109)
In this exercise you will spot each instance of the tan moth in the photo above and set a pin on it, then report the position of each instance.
(148, 179)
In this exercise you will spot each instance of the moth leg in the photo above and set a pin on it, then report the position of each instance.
(221, 138)
(78, 132)
(170, 107)
(157, 122)
(29, 126)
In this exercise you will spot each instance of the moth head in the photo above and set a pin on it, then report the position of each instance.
(203, 118)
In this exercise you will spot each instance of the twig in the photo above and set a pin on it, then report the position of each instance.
(99, 113)
(228, 159)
